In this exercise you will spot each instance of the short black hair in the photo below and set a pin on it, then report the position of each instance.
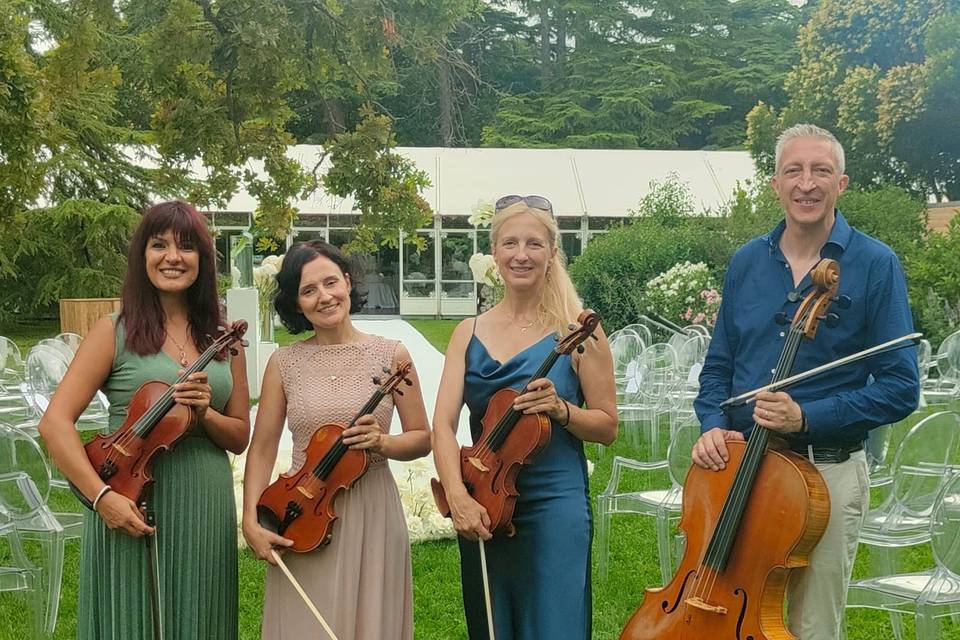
(288, 281)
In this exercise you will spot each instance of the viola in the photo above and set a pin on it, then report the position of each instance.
(154, 423)
(509, 440)
(300, 505)
(747, 526)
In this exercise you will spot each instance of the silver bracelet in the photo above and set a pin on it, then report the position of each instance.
(106, 489)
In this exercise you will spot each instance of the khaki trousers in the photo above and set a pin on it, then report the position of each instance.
(817, 594)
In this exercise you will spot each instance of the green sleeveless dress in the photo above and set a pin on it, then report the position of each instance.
(196, 530)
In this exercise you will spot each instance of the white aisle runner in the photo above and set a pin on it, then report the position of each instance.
(413, 478)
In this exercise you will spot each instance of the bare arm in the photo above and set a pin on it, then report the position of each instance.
(469, 517)
(598, 421)
(230, 429)
(261, 456)
(88, 372)
(414, 442)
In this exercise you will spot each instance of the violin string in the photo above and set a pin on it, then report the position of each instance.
(756, 448)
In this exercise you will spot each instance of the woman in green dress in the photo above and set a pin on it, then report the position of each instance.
(170, 310)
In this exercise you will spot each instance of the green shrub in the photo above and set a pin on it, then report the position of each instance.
(74, 250)
(933, 278)
(611, 273)
(889, 214)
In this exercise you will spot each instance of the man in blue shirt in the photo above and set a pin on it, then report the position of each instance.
(826, 418)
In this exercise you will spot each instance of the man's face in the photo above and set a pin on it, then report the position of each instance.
(808, 181)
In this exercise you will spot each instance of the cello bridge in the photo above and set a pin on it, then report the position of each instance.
(306, 494)
(699, 603)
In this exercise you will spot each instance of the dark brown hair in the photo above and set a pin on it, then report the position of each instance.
(141, 313)
(288, 282)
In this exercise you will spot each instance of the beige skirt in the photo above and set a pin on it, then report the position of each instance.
(361, 582)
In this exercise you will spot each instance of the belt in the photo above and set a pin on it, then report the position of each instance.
(837, 453)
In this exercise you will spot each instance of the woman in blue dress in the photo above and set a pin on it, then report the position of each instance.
(540, 577)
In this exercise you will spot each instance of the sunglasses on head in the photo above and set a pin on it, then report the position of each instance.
(537, 202)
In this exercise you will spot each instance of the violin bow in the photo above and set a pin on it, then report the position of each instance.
(303, 594)
(486, 588)
(749, 396)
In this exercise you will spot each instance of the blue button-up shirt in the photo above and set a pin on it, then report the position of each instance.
(842, 405)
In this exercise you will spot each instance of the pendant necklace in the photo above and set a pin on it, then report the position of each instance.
(183, 354)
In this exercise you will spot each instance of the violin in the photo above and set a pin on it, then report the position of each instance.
(154, 423)
(748, 525)
(300, 505)
(510, 439)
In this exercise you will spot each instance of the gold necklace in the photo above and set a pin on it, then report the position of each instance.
(183, 353)
(523, 328)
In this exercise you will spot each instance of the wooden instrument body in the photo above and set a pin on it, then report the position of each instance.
(491, 476)
(788, 511)
(300, 505)
(123, 459)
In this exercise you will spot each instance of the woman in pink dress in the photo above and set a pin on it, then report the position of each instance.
(361, 581)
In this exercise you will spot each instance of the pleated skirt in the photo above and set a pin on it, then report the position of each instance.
(361, 582)
(197, 547)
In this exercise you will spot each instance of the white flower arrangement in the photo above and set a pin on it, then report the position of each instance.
(481, 214)
(685, 292)
(265, 280)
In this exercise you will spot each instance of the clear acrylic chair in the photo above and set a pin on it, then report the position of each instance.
(642, 330)
(14, 407)
(72, 340)
(928, 595)
(46, 367)
(925, 457)
(663, 504)
(648, 413)
(19, 574)
(945, 388)
(62, 347)
(24, 489)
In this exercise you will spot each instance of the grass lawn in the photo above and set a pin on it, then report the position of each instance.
(438, 609)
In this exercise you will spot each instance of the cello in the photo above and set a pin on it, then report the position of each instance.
(154, 423)
(300, 505)
(509, 440)
(747, 526)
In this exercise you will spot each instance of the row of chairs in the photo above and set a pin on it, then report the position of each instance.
(27, 480)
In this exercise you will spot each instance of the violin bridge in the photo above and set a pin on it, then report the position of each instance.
(306, 494)
(699, 603)
(477, 464)
(121, 449)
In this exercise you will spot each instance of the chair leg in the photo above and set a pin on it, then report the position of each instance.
(927, 627)
(884, 563)
(664, 541)
(603, 532)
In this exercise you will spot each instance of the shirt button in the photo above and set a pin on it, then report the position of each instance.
(773, 370)
(782, 334)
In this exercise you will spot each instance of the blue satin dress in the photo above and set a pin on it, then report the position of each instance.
(539, 578)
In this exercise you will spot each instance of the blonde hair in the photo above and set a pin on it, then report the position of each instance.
(559, 305)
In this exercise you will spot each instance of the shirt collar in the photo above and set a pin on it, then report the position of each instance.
(839, 237)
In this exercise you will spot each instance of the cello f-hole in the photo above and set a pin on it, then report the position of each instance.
(743, 612)
(683, 587)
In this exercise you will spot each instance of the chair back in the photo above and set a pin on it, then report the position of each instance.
(72, 340)
(948, 357)
(59, 346)
(643, 332)
(945, 526)
(679, 453)
(656, 373)
(11, 364)
(925, 458)
(25, 476)
(46, 367)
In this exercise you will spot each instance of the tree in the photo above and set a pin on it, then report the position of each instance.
(883, 76)
(657, 73)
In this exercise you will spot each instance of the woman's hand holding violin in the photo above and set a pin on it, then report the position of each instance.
(365, 434)
(542, 397)
(262, 541)
(120, 512)
(194, 393)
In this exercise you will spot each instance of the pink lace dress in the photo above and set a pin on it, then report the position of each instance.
(361, 582)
